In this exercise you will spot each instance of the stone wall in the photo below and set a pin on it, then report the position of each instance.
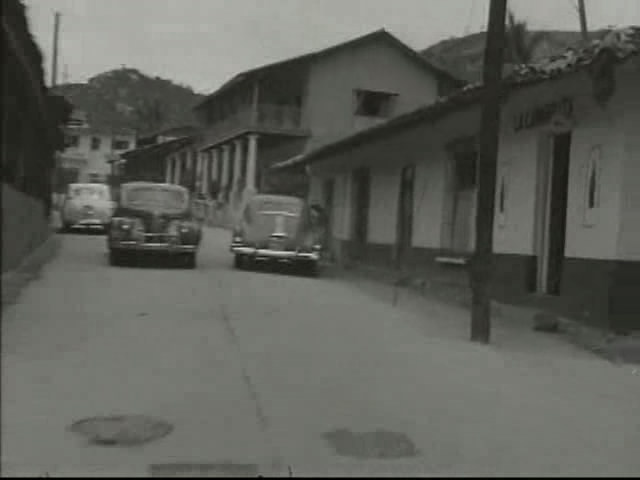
(25, 226)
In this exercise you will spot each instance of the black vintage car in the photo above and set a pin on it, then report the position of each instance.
(277, 228)
(153, 218)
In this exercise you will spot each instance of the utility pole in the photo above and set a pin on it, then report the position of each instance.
(54, 60)
(481, 264)
(583, 21)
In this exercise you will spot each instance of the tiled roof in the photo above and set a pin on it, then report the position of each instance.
(622, 44)
(159, 149)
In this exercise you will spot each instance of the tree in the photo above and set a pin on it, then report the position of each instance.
(151, 115)
(521, 43)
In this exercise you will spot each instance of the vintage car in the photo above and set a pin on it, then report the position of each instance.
(87, 206)
(277, 228)
(154, 218)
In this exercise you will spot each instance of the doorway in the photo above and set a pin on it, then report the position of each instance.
(405, 215)
(328, 188)
(361, 185)
(554, 194)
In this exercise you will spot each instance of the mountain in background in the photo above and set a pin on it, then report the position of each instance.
(126, 98)
(463, 56)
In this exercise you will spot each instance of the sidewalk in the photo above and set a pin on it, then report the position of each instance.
(512, 326)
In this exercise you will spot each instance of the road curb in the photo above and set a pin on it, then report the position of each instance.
(14, 281)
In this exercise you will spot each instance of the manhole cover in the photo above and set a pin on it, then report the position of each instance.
(121, 430)
(378, 444)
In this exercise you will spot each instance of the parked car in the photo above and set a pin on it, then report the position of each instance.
(87, 206)
(276, 228)
(155, 218)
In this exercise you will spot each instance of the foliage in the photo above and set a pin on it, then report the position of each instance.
(521, 44)
(463, 56)
(126, 98)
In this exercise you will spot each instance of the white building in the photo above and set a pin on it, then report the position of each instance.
(89, 150)
(567, 210)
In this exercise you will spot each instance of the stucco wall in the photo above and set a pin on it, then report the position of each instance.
(24, 226)
(329, 107)
(383, 206)
(523, 151)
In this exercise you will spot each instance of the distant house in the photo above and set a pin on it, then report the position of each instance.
(278, 111)
(89, 151)
(167, 160)
(165, 135)
(402, 195)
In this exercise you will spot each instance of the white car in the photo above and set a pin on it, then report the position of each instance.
(87, 206)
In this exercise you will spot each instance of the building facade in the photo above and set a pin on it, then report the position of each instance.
(89, 152)
(277, 112)
(567, 210)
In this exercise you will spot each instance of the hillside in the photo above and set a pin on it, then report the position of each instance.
(127, 98)
(463, 56)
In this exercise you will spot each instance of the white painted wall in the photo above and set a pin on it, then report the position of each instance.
(429, 191)
(383, 205)
(329, 106)
(629, 237)
(341, 221)
(594, 126)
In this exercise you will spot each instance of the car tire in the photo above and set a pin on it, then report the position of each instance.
(116, 258)
(190, 260)
(238, 261)
(312, 268)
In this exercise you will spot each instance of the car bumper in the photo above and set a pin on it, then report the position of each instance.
(152, 247)
(267, 254)
(90, 223)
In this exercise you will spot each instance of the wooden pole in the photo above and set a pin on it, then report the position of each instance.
(54, 60)
(481, 264)
(583, 21)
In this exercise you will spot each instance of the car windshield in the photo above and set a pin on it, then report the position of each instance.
(279, 207)
(156, 198)
(89, 191)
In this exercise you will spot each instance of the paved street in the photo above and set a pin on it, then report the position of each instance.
(255, 368)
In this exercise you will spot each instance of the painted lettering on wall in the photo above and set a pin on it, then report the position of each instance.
(543, 114)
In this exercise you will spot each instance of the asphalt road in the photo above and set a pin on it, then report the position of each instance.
(281, 374)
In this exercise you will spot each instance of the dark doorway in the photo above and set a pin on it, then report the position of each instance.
(557, 215)
(328, 193)
(361, 189)
(405, 215)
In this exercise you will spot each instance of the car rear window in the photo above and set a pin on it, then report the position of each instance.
(279, 207)
(154, 197)
(88, 191)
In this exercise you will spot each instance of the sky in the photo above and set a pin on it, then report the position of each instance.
(202, 43)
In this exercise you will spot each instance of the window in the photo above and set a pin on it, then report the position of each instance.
(374, 104)
(72, 141)
(466, 170)
(120, 144)
(592, 186)
(95, 143)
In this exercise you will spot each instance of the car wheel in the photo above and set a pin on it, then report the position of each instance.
(312, 269)
(190, 260)
(238, 261)
(116, 258)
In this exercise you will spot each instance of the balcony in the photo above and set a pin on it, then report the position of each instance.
(267, 119)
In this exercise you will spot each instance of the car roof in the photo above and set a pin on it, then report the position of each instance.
(82, 185)
(260, 198)
(153, 184)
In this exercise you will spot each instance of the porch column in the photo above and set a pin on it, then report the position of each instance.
(198, 172)
(237, 169)
(176, 169)
(206, 175)
(224, 181)
(252, 158)
(167, 175)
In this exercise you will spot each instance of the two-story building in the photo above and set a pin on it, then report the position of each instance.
(403, 195)
(282, 110)
(89, 151)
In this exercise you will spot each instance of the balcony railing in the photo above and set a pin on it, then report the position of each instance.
(267, 118)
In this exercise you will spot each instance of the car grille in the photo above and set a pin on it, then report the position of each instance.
(156, 238)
